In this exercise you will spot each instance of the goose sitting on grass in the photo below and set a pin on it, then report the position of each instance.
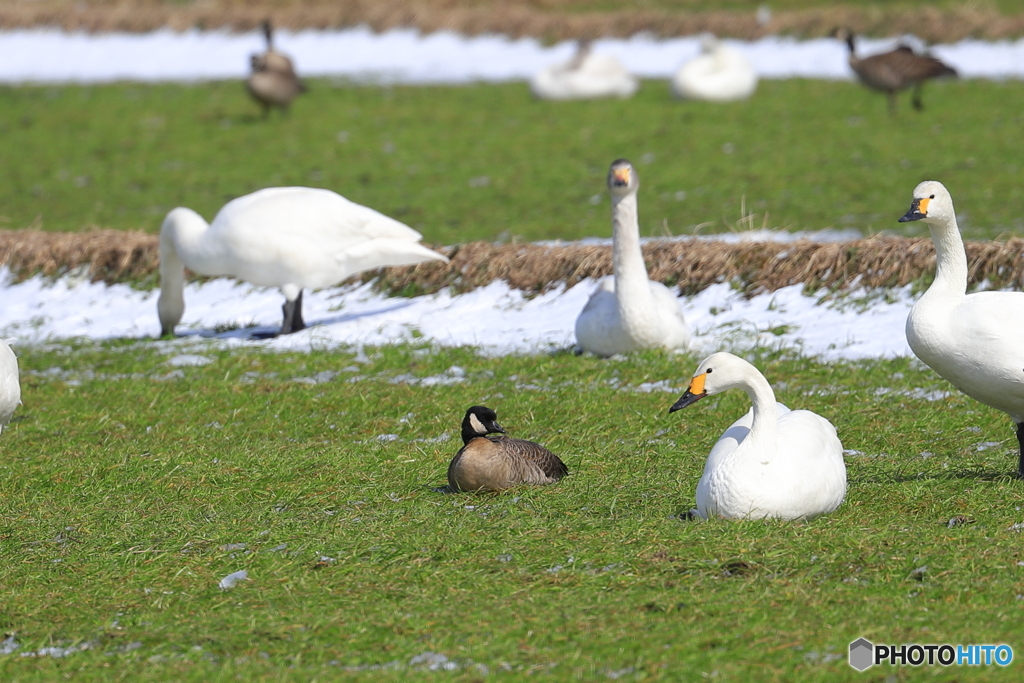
(491, 461)
(10, 384)
(719, 74)
(772, 462)
(974, 340)
(585, 76)
(629, 312)
(287, 237)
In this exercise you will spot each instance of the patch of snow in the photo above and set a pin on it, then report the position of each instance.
(408, 56)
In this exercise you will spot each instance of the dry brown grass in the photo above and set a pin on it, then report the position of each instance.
(548, 19)
(115, 256)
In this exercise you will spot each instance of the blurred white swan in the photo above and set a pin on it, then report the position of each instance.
(585, 76)
(719, 74)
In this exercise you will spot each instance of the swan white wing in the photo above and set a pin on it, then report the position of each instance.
(306, 213)
(979, 349)
(676, 333)
(813, 480)
(310, 237)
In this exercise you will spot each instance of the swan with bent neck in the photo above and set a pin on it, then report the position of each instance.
(585, 76)
(628, 312)
(719, 74)
(10, 384)
(771, 463)
(974, 341)
(287, 237)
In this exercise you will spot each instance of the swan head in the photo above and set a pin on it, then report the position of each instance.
(709, 43)
(932, 203)
(622, 178)
(480, 421)
(717, 373)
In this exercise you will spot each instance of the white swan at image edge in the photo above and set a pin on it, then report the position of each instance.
(771, 463)
(287, 237)
(719, 74)
(628, 312)
(10, 384)
(585, 76)
(973, 341)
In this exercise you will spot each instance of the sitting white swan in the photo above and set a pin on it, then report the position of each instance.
(772, 462)
(287, 237)
(719, 74)
(585, 76)
(973, 341)
(629, 312)
(10, 386)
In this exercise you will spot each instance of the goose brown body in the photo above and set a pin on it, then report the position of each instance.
(273, 81)
(492, 461)
(896, 70)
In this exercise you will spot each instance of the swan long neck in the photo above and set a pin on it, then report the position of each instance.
(182, 243)
(950, 284)
(764, 428)
(632, 288)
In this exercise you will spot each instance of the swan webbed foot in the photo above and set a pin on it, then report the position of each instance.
(292, 321)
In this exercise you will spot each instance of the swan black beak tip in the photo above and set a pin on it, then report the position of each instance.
(687, 399)
(913, 214)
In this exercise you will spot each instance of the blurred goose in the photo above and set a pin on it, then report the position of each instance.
(585, 76)
(719, 74)
(896, 70)
(772, 462)
(491, 461)
(628, 311)
(10, 386)
(971, 340)
(287, 237)
(273, 82)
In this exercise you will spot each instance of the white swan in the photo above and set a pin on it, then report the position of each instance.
(973, 341)
(10, 386)
(629, 312)
(585, 76)
(719, 74)
(772, 462)
(287, 237)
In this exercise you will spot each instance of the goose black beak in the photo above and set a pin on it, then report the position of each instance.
(918, 210)
(497, 428)
(687, 399)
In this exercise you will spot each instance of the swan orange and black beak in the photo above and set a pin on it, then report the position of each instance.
(620, 176)
(694, 393)
(918, 210)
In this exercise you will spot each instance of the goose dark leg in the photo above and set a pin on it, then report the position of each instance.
(916, 100)
(1020, 442)
(892, 104)
(292, 316)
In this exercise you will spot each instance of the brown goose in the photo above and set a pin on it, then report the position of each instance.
(896, 70)
(491, 461)
(273, 82)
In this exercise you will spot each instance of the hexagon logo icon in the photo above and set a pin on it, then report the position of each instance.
(862, 654)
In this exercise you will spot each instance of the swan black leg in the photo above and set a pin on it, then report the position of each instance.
(1020, 442)
(292, 321)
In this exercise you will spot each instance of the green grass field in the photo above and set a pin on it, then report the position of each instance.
(488, 162)
(128, 488)
(128, 494)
